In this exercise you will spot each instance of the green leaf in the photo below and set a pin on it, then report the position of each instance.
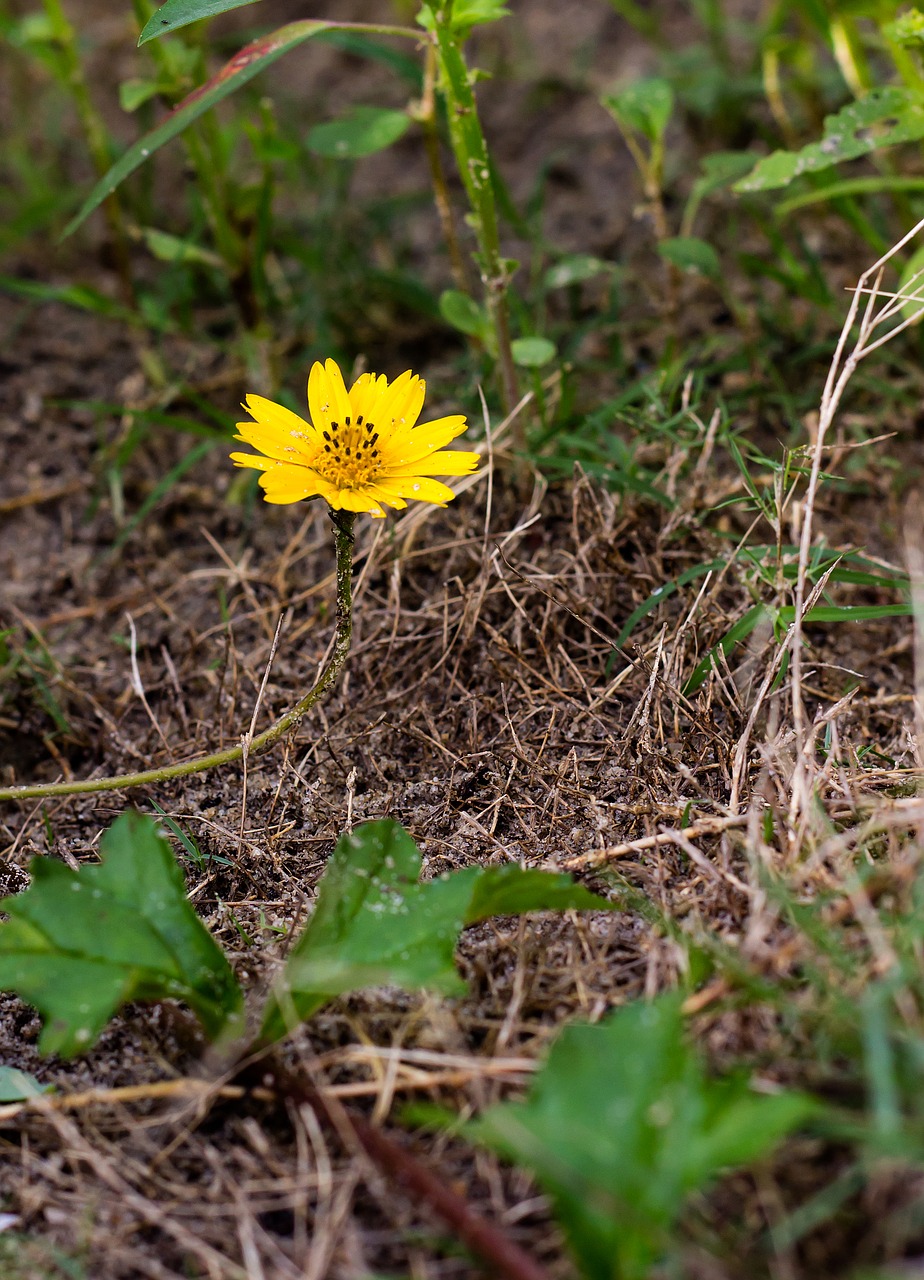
(17, 1086)
(511, 890)
(467, 14)
(362, 132)
(644, 107)
(135, 92)
(169, 248)
(179, 13)
(757, 614)
(622, 1125)
(375, 924)
(852, 132)
(249, 62)
(463, 313)
(690, 254)
(532, 353)
(575, 268)
(81, 943)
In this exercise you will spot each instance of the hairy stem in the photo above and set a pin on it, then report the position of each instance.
(343, 536)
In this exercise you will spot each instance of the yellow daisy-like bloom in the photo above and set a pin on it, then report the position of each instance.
(363, 449)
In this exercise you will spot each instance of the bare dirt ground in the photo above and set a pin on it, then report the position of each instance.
(480, 708)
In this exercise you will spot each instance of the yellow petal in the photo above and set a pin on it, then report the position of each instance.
(420, 488)
(422, 442)
(251, 460)
(401, 407)
(275, 444)
(353, 500)
(285, 483)
(278, 418)
(366, 395)
(327, 396)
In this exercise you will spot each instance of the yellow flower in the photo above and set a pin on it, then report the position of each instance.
(363, 448)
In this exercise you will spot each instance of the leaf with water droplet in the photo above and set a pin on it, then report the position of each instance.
(376, 924)
(135, 936)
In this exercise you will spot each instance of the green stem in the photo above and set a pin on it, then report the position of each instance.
(471, 155)
(343, 537)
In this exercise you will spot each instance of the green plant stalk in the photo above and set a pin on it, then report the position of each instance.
(96, 137)
(425, 113)
(471, 156)
(343, 538)
(204, 157)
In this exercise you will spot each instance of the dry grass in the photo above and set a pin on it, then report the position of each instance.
(482, 710)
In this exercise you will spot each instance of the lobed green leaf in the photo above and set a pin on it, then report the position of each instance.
(81, 943)
(622, 1125)
(375, 924)
(180, 13)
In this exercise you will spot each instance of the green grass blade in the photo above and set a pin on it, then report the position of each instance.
(245, 64)
(180, 13)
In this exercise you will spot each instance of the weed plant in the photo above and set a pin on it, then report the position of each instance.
(716, 435)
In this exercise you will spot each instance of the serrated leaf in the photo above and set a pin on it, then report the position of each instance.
(362, 132)
(247, 63)
(81, 943)
(180, 13)
(691, 254)
(883, 118)
(532, 353)
(622, 1125)
(644, 106)
(375, 924)
(463, 313)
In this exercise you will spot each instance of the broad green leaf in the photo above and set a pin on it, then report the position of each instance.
(510, 890)
(883, 118)
(135, 92)
(375, 924)
(81, 943)
(249, 62)
(467, 14)
(532, 353)
(17, 1086)
(362, 132)
(622, 1125)
(463, 313)
(644, 106)
(179, 13)
(690, 254)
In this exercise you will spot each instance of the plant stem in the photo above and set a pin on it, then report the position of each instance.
(343, 537)
(473, 163)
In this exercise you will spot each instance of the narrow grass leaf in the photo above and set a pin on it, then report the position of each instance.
(247, 63)
(180, 13)
(79, 944)
(757, 614)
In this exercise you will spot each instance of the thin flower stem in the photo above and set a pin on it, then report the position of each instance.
(343, 537)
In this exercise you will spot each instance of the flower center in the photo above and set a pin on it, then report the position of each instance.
(350, 456)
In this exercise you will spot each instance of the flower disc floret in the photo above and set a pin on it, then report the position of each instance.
(361, 450)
